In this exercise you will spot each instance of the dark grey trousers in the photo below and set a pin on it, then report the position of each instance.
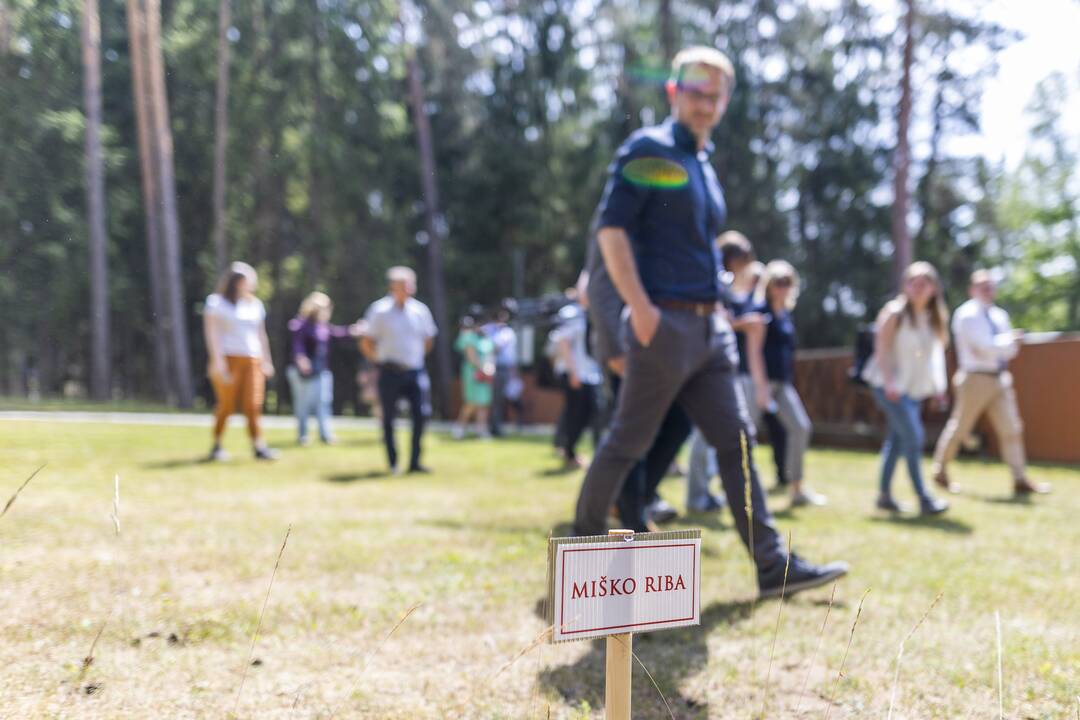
(689, 361)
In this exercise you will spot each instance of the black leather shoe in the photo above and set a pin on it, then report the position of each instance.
(801, 575)
(265, 453)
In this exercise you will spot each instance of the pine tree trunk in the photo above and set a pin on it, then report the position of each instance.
(100, 356)
(221, 130)
(667, 32)
(435, 230)
(901, 236)
(5, 28)
(136, 21)
(170, 225)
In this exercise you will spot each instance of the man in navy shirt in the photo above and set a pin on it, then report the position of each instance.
(662, 208)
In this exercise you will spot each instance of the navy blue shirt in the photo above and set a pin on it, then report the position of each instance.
(780, 341)
(671, 225)
(738, 308)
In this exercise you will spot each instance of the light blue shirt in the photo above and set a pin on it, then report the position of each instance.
(400, 333)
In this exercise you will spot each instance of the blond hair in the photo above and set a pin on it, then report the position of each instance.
(702, 55)
(778, 270)
(313, 304)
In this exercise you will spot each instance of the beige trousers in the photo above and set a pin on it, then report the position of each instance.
(977, 393)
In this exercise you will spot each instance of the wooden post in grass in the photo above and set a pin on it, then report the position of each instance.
(616, 584)
(619, 663)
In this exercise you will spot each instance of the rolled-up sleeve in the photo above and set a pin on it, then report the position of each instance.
(622, 201)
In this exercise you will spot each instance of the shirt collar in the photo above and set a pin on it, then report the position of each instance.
(685, 140)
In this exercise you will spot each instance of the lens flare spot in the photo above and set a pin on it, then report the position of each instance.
(655, 172)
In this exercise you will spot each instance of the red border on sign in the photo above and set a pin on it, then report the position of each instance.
(562, 586)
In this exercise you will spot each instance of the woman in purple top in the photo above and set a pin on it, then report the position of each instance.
(309, 375)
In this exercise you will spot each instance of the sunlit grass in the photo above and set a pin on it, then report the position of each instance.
(182, 587)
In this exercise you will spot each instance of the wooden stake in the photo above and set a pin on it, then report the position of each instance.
(619, 662)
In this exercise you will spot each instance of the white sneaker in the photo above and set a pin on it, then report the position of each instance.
(806, 497)
(457, 432)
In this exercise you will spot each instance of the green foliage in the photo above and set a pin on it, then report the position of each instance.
(527, 102)
(1040, 221)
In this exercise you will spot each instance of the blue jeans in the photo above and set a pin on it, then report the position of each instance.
(905, 437)
(312, 395)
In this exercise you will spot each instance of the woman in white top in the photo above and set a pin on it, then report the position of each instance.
(238, 350)
(908, 367)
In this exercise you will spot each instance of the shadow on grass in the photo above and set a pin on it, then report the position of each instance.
(176, 463)
(473, 526)
(355, 477)
(671, 656)
(703, 520)
(1021, 500)
(945, 524)
(560, 471)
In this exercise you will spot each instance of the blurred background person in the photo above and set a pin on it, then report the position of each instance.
(398, 334)
(579, 376)
(310, 379)
(908, 366)
(985, 343)
(773, 381)
(477, 377)
(238, 350)
(505, 341)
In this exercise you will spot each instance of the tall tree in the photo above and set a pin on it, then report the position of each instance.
(436, 230)
(170, 226)
(221, 131)
(901, 235)
(100, 355)
(148, 162)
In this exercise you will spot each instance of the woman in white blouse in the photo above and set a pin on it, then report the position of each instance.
(908, 367)
(234, 324)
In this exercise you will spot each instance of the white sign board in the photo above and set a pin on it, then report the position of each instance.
(606, 585)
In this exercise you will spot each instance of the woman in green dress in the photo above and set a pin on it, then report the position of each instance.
(477, 374)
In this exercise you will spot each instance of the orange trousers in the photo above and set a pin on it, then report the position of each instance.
(246, 387)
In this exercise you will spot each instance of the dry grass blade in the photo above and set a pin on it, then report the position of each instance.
(900, 653)
(536, 642)
(843, 660)
(1000, 674)
(11, 500)
(258, 625)
(813, 658)
(371, 653)
(116, 505)
(88, 660)
(776, 630)
(647, 674)
(748, 506)
(540, 655)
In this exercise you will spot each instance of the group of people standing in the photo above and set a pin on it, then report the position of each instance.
(490, 383)
(698, 337)
(693, 335)
(395, 334)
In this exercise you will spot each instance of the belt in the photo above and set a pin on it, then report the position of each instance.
(701, 309)
(395, 367)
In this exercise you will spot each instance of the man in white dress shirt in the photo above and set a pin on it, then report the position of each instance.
(985, 343)
(399, 333)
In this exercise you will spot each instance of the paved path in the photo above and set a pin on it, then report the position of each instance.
(204, 420)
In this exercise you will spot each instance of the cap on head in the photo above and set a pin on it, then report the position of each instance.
(702, 55)
(242, 268)
(400, 273)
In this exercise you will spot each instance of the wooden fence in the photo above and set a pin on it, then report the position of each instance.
(1046, 373)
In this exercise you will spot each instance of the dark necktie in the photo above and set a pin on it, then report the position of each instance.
(994, 332)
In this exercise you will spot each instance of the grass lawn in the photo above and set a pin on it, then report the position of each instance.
(179, 590)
